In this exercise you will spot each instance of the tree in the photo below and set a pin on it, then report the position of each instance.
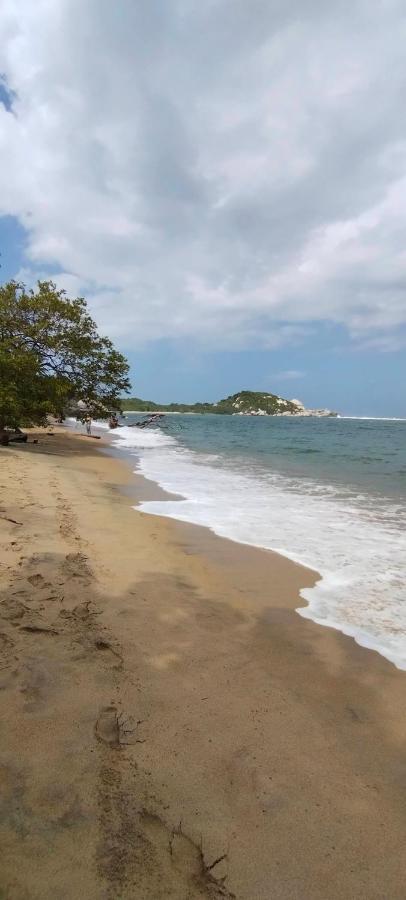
(51, 355)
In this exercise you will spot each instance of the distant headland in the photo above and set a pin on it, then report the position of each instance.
(245, 403)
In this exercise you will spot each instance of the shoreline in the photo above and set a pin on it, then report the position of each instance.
(145, 490)
(311, 603)
(153, 674)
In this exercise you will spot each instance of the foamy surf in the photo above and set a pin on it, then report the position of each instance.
(354, 541)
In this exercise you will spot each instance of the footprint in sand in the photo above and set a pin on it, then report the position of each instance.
(78, 559)
(36, 580)
(34, 685)
(109, 653)
(7, 661)
(6, 645)
(17, 547)
(75, 566)
(107, 728)
(12, 609)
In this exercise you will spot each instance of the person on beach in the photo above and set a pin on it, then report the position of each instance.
(88, 423)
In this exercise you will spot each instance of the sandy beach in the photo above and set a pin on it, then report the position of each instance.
(171, 728)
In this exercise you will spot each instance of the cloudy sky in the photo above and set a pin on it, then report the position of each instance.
(224, 181)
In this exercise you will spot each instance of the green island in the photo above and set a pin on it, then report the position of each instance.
(245, 403)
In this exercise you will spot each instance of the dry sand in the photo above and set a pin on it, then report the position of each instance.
(171, 728)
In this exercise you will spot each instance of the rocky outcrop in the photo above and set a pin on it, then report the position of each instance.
(271, 405)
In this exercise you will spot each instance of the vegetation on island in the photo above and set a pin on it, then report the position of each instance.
(243, 402)
(51, 355)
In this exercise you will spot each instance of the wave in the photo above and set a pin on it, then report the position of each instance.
(374, 418)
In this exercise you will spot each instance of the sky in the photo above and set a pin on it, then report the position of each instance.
(225, 182)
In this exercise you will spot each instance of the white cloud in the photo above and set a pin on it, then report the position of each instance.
(224, 171)
(288, 375)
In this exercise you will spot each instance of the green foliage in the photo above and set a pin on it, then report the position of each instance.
(51, 355)
(138, 404)
(248, 401)
(245, 402)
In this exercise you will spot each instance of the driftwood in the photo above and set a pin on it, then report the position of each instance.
(6, 437)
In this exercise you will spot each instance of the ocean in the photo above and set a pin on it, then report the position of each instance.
(327, 493)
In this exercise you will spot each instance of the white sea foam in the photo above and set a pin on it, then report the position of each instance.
(373, 418)
(356, 542)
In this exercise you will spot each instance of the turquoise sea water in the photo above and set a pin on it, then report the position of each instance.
(369, 454)
(329, 493)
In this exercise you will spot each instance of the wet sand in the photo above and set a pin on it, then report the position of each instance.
(171, 728)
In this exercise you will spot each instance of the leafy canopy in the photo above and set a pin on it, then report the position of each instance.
(51, 355)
